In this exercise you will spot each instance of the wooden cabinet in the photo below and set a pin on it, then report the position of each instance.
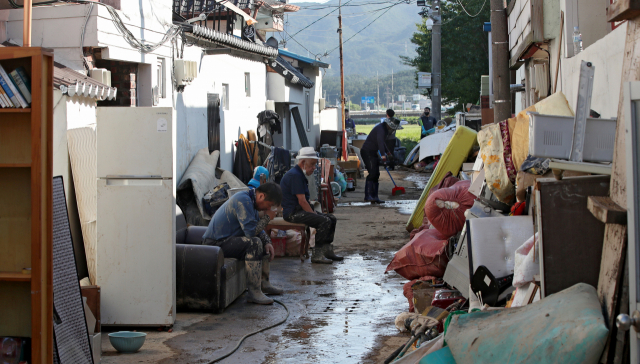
(26, 159)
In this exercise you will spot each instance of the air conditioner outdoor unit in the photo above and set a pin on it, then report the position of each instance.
(185, 71)
(101, 75)
(321, 104)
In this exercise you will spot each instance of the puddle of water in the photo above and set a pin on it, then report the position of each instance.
(342, 320)
(405, 207)
(311, 283)
(419, 179)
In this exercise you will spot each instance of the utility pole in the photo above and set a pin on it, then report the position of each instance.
(436, 61)
(378, 84)
(344, 134)
(500, 63)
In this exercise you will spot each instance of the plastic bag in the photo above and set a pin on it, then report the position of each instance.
(535, 165)
(423, 256)
(525, 267)
(339, 177)
(445, 208)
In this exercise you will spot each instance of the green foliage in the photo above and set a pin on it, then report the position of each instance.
(374, 49)
(465, 52)
(409, 136)
(356, 86)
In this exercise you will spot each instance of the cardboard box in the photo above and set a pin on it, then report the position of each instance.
(348, 164)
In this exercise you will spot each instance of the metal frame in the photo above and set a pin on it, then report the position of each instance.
(583, 105)
(631, 99)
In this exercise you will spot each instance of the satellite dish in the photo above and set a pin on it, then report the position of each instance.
(272, 42)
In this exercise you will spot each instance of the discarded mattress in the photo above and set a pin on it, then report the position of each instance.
(424, 255)
(496, 155)
(451, 161)
(492, 242)
(435, 144)
(83, 155)
(566, 327)
(198, 179)
(445, 207)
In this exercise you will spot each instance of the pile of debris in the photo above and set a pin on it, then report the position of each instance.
(507, 261)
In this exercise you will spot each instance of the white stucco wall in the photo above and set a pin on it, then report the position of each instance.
(191, 105)
(60, 27)
(607, 56)
(70, 113)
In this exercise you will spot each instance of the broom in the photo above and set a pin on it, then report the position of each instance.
(396, 190)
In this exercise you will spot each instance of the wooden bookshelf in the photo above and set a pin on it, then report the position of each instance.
(26, 162)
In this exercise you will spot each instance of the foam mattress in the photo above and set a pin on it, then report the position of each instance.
(454, 155)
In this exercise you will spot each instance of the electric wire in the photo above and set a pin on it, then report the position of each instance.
(84, 29)
(366, 26)
(134, 42)
(253, 333)
(317, 20)
(479, 11)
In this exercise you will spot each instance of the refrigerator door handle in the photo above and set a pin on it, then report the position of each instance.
(134, 182)
(132, 176)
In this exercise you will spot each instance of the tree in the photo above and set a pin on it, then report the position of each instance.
(465, 51)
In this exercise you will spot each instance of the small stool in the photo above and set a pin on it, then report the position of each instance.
(280, 224)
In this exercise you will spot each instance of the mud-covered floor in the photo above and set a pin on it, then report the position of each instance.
(340, 313)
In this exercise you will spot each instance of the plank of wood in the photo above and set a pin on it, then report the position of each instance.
(623, 10)
(15, 142)
(607, 211)
(15, 298)
(15, 277)
(613, 252)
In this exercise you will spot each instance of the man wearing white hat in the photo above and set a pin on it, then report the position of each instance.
(374, 149)
(296, 207)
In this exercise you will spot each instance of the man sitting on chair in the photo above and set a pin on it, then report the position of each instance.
(296, 207)
(239, 231)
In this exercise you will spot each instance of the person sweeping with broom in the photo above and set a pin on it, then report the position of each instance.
(374, 153)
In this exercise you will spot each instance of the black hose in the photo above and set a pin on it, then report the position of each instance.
(253, 333)
(394, 354)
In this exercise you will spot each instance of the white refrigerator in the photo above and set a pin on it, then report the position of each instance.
(135, 222)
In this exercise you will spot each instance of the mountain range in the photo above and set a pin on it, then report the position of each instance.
(367, 49)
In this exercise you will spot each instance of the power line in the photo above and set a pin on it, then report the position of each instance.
(317, 20)
(479, 11)
(366, 26)
(300, 44)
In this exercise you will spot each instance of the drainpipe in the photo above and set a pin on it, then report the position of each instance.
(500, 62)
(26, 24)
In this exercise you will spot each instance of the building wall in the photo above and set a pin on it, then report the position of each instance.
(191, 105)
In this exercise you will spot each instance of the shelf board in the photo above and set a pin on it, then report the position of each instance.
(15, 109)
(15, 165)
(15, 277)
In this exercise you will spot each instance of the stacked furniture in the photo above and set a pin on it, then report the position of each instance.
(26, 162)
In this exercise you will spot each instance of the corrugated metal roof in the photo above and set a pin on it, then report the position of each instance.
(229, 40)
(291, 73)
(75, 83)
(300, 58)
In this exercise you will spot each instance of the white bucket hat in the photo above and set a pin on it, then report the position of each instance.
(307, 153)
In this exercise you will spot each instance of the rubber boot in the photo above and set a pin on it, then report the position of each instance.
(318, 255)
(254, 278)
(367, 191)
(328, 253)
(267, 288)
(374, 195)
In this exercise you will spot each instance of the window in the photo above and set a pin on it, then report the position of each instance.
(247, 84)
(225, 96)
(161, 74)
(307, 109)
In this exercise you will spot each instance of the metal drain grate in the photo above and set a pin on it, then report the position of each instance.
(337, 306)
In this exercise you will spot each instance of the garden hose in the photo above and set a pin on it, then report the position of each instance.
(253, 333)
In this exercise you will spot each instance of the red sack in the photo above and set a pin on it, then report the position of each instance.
(445, 208)
(423, 256)
(408, 292)
(447, 181)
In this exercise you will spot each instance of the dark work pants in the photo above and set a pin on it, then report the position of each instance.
(371, 163)
(325, 224)
(239, 247)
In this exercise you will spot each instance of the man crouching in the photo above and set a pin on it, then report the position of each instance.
(239, 231)
(296, 207)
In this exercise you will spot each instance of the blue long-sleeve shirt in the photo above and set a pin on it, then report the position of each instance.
(236, 217)
(375, 139)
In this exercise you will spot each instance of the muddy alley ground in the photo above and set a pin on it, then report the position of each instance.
(340, 313)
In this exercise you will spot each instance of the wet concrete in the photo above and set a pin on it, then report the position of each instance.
(340, 313)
